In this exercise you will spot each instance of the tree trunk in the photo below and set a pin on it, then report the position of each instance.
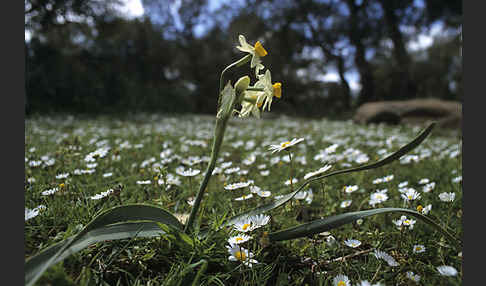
(404, 87)
(367, 92)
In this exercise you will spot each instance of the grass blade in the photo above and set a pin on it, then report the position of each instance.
(332, 222)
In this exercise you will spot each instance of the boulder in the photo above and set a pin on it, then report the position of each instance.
(446, 113)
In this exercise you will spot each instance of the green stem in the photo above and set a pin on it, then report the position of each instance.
(238, 63)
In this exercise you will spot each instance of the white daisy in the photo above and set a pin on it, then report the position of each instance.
(412, 276)
(62, 176)
(350, 189)
(236, 186)
(428, 187)
(386, 257)
(346, 203)
(352, 243)
(102, 194)
(237, 239)
(378, 197)
(244, 197)
(418, 248)
(31, 213)
(447, 197)
(410, 195)
(341, 280)
(446, 270)
(146, 182)
(424, 181)
(285, 145)
(49, 191)
(187, 173)
(241, 254)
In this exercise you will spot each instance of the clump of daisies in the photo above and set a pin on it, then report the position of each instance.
(244, 226)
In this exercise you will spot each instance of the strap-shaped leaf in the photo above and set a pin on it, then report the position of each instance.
(277, 203)
(332, 222)
(120, 214)
(110, 232)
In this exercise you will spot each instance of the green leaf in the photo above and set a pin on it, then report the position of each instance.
(277, 203)
(227, 96)
(111, 232)
(325, 224)
(120, 214)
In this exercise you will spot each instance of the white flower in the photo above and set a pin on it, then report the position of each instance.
(403, 184)
(257, 51)
(346, 203)
(241, 254)
(187, 173)
(378, 197)
(102, 194)
(388, 178)
(352, 243)
(457, 179)
(412, 276)
(285, 145)
(49, 191)
(147, 182)
(341, 280)
(191, 201)
(429, 187)
(62, 176)
(265, 173)
(318, 172)
(418, 248)
(294, 181)
(31, 213)
(447, 197)
(446, 270)
(350, 189)
(385, 256)
(378, 180)
(264, 194)
(269, 90)
(404, 222)
(410, 195)
(244, 197)
(106, 175)
(237, 239)
(237, 185)
(424, 181)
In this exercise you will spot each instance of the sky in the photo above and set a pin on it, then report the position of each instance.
(134, 8)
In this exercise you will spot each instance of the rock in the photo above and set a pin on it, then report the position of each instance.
(446, 113)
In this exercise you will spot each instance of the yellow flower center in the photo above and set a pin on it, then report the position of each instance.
(246, 225)
(240, 255)
(61, 185)
(406, 221)
(239, 239)
(410, 197)
(260, 50)
(418, 248)
(420, 208)
(341, 283)
(277, 89)
(285, 144)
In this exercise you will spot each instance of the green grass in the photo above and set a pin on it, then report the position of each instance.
(167, 260)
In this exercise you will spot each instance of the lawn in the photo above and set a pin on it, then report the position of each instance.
(77, 167)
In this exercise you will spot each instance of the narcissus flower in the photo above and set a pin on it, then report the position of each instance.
(257, 51)
(269, 90)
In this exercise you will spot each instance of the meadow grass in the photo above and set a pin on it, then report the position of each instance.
(137, 157)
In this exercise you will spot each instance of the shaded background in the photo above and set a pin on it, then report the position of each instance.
(93, 56)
